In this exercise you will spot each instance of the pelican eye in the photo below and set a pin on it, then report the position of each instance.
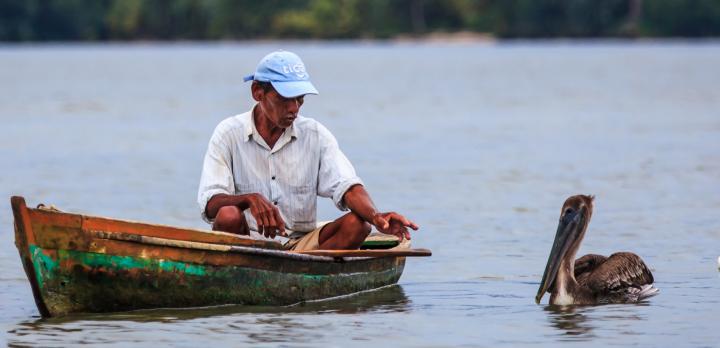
(568, 211)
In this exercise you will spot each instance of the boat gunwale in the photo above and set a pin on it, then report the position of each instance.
(59, 231)
(93, 222)
(95, 227)
(136, 238)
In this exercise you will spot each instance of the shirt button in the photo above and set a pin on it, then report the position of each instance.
(273, 177)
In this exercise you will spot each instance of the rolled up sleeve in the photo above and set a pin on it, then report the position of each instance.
(336, 174)
(217, 176)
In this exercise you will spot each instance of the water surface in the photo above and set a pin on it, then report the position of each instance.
(479, 144)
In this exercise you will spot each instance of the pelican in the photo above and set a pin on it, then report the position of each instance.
(592, 279)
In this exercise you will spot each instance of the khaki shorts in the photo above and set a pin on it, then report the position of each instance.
(299, 241)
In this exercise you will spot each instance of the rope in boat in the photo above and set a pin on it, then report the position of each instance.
(52, 207)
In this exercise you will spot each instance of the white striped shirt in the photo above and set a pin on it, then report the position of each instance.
(306, 162)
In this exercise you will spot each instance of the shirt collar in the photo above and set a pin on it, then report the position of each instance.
(251, 131)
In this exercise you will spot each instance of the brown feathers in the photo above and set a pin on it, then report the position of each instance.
(620, 270)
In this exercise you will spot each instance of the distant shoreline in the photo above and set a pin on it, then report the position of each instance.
(441, 38)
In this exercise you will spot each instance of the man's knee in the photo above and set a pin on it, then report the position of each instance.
(355, 222)
(230, 219)
(229, 214)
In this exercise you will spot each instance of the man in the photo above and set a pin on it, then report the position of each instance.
(264, 169)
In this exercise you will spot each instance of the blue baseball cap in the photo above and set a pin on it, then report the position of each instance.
(286, 72)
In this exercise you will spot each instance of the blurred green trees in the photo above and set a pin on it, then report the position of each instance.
(44, 20)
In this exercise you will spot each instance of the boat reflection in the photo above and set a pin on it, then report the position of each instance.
(245, 324)
(387, 299)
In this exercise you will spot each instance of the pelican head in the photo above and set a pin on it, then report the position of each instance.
(574, 218)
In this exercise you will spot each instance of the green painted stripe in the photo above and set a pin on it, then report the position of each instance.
(46, 265)
(129, 262)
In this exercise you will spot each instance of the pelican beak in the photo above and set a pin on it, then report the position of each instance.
(567, 233)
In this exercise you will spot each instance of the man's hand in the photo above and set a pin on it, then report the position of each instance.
(358, 200)
(393, 223)
(266, 215)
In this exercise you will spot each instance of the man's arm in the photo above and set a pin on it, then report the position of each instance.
(265, 213)
(358, 200)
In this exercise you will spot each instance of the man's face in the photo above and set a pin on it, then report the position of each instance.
(279, 110)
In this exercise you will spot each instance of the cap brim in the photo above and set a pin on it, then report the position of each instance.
(292, 89)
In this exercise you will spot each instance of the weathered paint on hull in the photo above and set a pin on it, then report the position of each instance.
(75, 281)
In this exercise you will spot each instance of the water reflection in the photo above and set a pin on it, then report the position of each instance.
(579, 322)
(276, 320)
(570, 321)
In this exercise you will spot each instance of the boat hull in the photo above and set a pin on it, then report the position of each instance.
(72, 269)
(77, 281)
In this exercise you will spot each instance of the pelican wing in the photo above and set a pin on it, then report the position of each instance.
(585, 265)
(588, 263)
(620, 271)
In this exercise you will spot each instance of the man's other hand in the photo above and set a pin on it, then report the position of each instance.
(393, 223)
(266, 215)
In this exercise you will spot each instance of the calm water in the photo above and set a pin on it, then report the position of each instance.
(479, 144)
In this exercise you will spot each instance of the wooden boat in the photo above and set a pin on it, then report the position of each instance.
(78, 263)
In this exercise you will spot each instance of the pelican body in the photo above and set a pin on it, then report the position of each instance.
(592, 279)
